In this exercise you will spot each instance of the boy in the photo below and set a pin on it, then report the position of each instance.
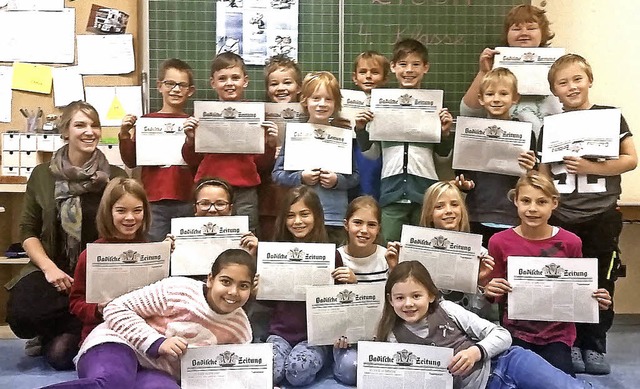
(370, 70)
(168, 187)
(229, 79)
(408, 169)
(589, 212)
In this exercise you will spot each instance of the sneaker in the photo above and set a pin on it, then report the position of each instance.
(33, 347)
(595, 362)
(576, 360)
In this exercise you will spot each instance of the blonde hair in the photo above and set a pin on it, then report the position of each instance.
(529, 14)
(536, 180)
(430, 199)
(312, 82)
(70, 110)
(373, 56)
(115, 189)
(566, 60)
(498, 75)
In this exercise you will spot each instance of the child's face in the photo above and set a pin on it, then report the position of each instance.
(320, 105)
(369, 74)
(229, 83)
(128, 215)
(282, 86)
(524, 35)
(498, 98)
(213, 201)
(362, 227)
(534, 207)
(229, 289)
(300, 220)
(447, 212)
(175, 97)
(410, 70)
(410, 300)
(571, 84)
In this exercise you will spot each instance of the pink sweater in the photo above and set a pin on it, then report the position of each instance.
(175, 306)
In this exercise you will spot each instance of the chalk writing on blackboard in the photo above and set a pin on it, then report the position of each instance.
(421, 2)
(416, 32)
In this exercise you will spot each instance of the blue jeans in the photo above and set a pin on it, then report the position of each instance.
(524, 369)
(161, 214)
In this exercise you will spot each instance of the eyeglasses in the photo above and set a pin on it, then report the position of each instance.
(172, 84)
(205, 205)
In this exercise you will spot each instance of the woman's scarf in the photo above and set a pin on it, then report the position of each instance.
(72, 182)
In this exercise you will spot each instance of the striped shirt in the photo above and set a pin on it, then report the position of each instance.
(373, 268)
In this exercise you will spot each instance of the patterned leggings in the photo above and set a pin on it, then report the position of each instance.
(299, 364)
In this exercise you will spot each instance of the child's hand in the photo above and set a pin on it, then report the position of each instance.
(101, 306)
(345, 275)
(128, 121)
(328, 180)
(463, 361)
(497, 287)
(578, 165)
(254, 287)
(341, 122)
(271, 133)
(462, 183)
(392, 254)
(249, 242)
(486, 60)
(603, 297)
(446, 121)
(527, 160)
(341, 342)
(310, 177)
(362, 118)
(189, 128)
(486, 266)
(172, 239)
(173, 347)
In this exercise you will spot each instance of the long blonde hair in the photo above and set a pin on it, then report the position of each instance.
(430, 199)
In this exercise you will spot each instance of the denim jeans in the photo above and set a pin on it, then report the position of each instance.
(161, 214)
(524, 369)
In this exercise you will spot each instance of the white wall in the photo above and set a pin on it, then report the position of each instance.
(606, 33)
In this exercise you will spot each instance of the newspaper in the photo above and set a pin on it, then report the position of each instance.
(229, 366)
(229, 127)
(384, 365)
(199, 241)
(353, 102)
(159, 141)
(586, 133)
(351, 310)
(530, 65)
(286, 269)
(450, 256)
(406, 115)
(315, 146)
(490, 145)
(114, 269)
(283, 113)
(553, 289)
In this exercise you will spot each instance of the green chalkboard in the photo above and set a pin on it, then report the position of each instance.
(454, 31)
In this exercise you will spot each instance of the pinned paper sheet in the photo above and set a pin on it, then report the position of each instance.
(105, 54)
(32, 78)
(67, 85)
(114, 102)
(6, 73)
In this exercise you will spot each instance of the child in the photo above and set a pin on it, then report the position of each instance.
(167, 186)
(490, 210)
(320, 98)
(300, 220)
(588, 203)
(229, 79)
(535, 198)
(283, 80)
(482, 357)
(145, 332)
(524, 26)
(123, 216)
(408, 169)
(370, 70)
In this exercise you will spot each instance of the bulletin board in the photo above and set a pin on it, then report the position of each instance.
(455, 32)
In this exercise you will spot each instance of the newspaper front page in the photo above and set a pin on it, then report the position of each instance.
(287, 269)
(114, 269)
(229, 127)
(351, 310)
(490, 145)
(530, 65)
(229, 366)
(199, 241)
(450, 256)
(406, 115)
(159, 141)
(553, 289)
(315, 146)
(384, 365)
(353, 102)
(283, 113)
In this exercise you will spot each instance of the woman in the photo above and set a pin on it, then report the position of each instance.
(58, 219)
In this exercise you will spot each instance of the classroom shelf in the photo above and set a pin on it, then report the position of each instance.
(13, 188)
(13, 261)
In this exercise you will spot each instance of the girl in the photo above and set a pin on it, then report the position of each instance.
(300, 220)
(482, 357)
(146, 331)
(320, 98)
(536, 197)
(123, 216)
